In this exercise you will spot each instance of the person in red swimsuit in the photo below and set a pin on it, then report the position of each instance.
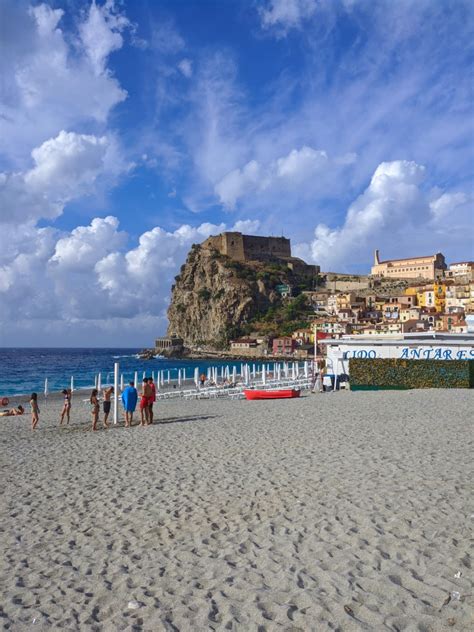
(146, 395)
(152, 398)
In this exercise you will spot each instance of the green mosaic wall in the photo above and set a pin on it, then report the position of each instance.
(388, 373)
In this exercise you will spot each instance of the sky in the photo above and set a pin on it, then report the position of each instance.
(130, 130)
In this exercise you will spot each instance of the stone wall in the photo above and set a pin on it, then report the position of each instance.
(249, 247)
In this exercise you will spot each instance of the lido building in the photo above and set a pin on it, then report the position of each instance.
(416, 346)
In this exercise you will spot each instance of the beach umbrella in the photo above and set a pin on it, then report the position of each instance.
(46, 388)
(196, 376)
(179, 377)
(162, 378)
(144, 375)
(234, 374)
(169, 376)
(306, 369)
(95, 381)
(121, 381)
(72, 383)
(153, 376)
(264, 375)
(135, 379)
(99, 381)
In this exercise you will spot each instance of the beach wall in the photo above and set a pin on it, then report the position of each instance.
(390, 373)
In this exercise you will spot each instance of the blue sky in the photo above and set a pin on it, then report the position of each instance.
(132, 129)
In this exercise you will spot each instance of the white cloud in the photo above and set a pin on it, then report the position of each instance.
(101, 33)
(247, 226)
(444, 205)
(305, 166)
(239, 182)
(65, 168)
(51, 82)
(394, 214)
(186, 67)
(86, 245)
(286, 14)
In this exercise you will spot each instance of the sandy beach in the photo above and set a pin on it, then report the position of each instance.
(344, 511)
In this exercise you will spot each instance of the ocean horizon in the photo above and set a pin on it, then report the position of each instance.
(24, 369)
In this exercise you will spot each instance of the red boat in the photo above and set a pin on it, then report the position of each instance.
(288, 393)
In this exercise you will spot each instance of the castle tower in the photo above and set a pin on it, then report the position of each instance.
(376, 258)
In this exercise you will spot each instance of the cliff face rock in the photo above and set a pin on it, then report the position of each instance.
(214, 296)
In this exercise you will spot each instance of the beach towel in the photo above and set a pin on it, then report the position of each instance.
(129, 399)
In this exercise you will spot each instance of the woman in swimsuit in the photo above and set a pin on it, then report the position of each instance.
(12, 412)
(66, 407)
(35, 411)
(94, 402)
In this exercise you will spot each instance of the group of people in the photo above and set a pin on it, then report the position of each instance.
(129, 402)
(129, 398)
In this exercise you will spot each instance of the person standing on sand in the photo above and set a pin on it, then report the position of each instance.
(35, 411)
(129, 401)
(66, 411)
(108, 392)
(95, 408)
(152, 398)
(145, 402)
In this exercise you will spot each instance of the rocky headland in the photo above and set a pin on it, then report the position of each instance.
(216, 298)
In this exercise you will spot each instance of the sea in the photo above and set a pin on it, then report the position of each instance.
(23, 371)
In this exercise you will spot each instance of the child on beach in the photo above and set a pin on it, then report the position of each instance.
(35, 411)
(66, 411)
(94, 402)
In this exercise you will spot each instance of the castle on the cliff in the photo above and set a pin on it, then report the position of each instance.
(251, 248)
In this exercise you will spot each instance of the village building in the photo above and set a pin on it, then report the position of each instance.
(283, 346)
(462, 268)
(303, 336)
(430, 267)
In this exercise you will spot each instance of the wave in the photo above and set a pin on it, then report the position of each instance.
(130, 355)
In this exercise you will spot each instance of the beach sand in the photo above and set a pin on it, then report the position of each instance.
(345, 511)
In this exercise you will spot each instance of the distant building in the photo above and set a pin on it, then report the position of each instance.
(430, 267)
(249, 247)
(172, 344)
(284, 345)
(462, 268)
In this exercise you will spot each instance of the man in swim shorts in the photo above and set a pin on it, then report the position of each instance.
(108, 392)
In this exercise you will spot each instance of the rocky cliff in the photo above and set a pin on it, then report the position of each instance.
(214, 297)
